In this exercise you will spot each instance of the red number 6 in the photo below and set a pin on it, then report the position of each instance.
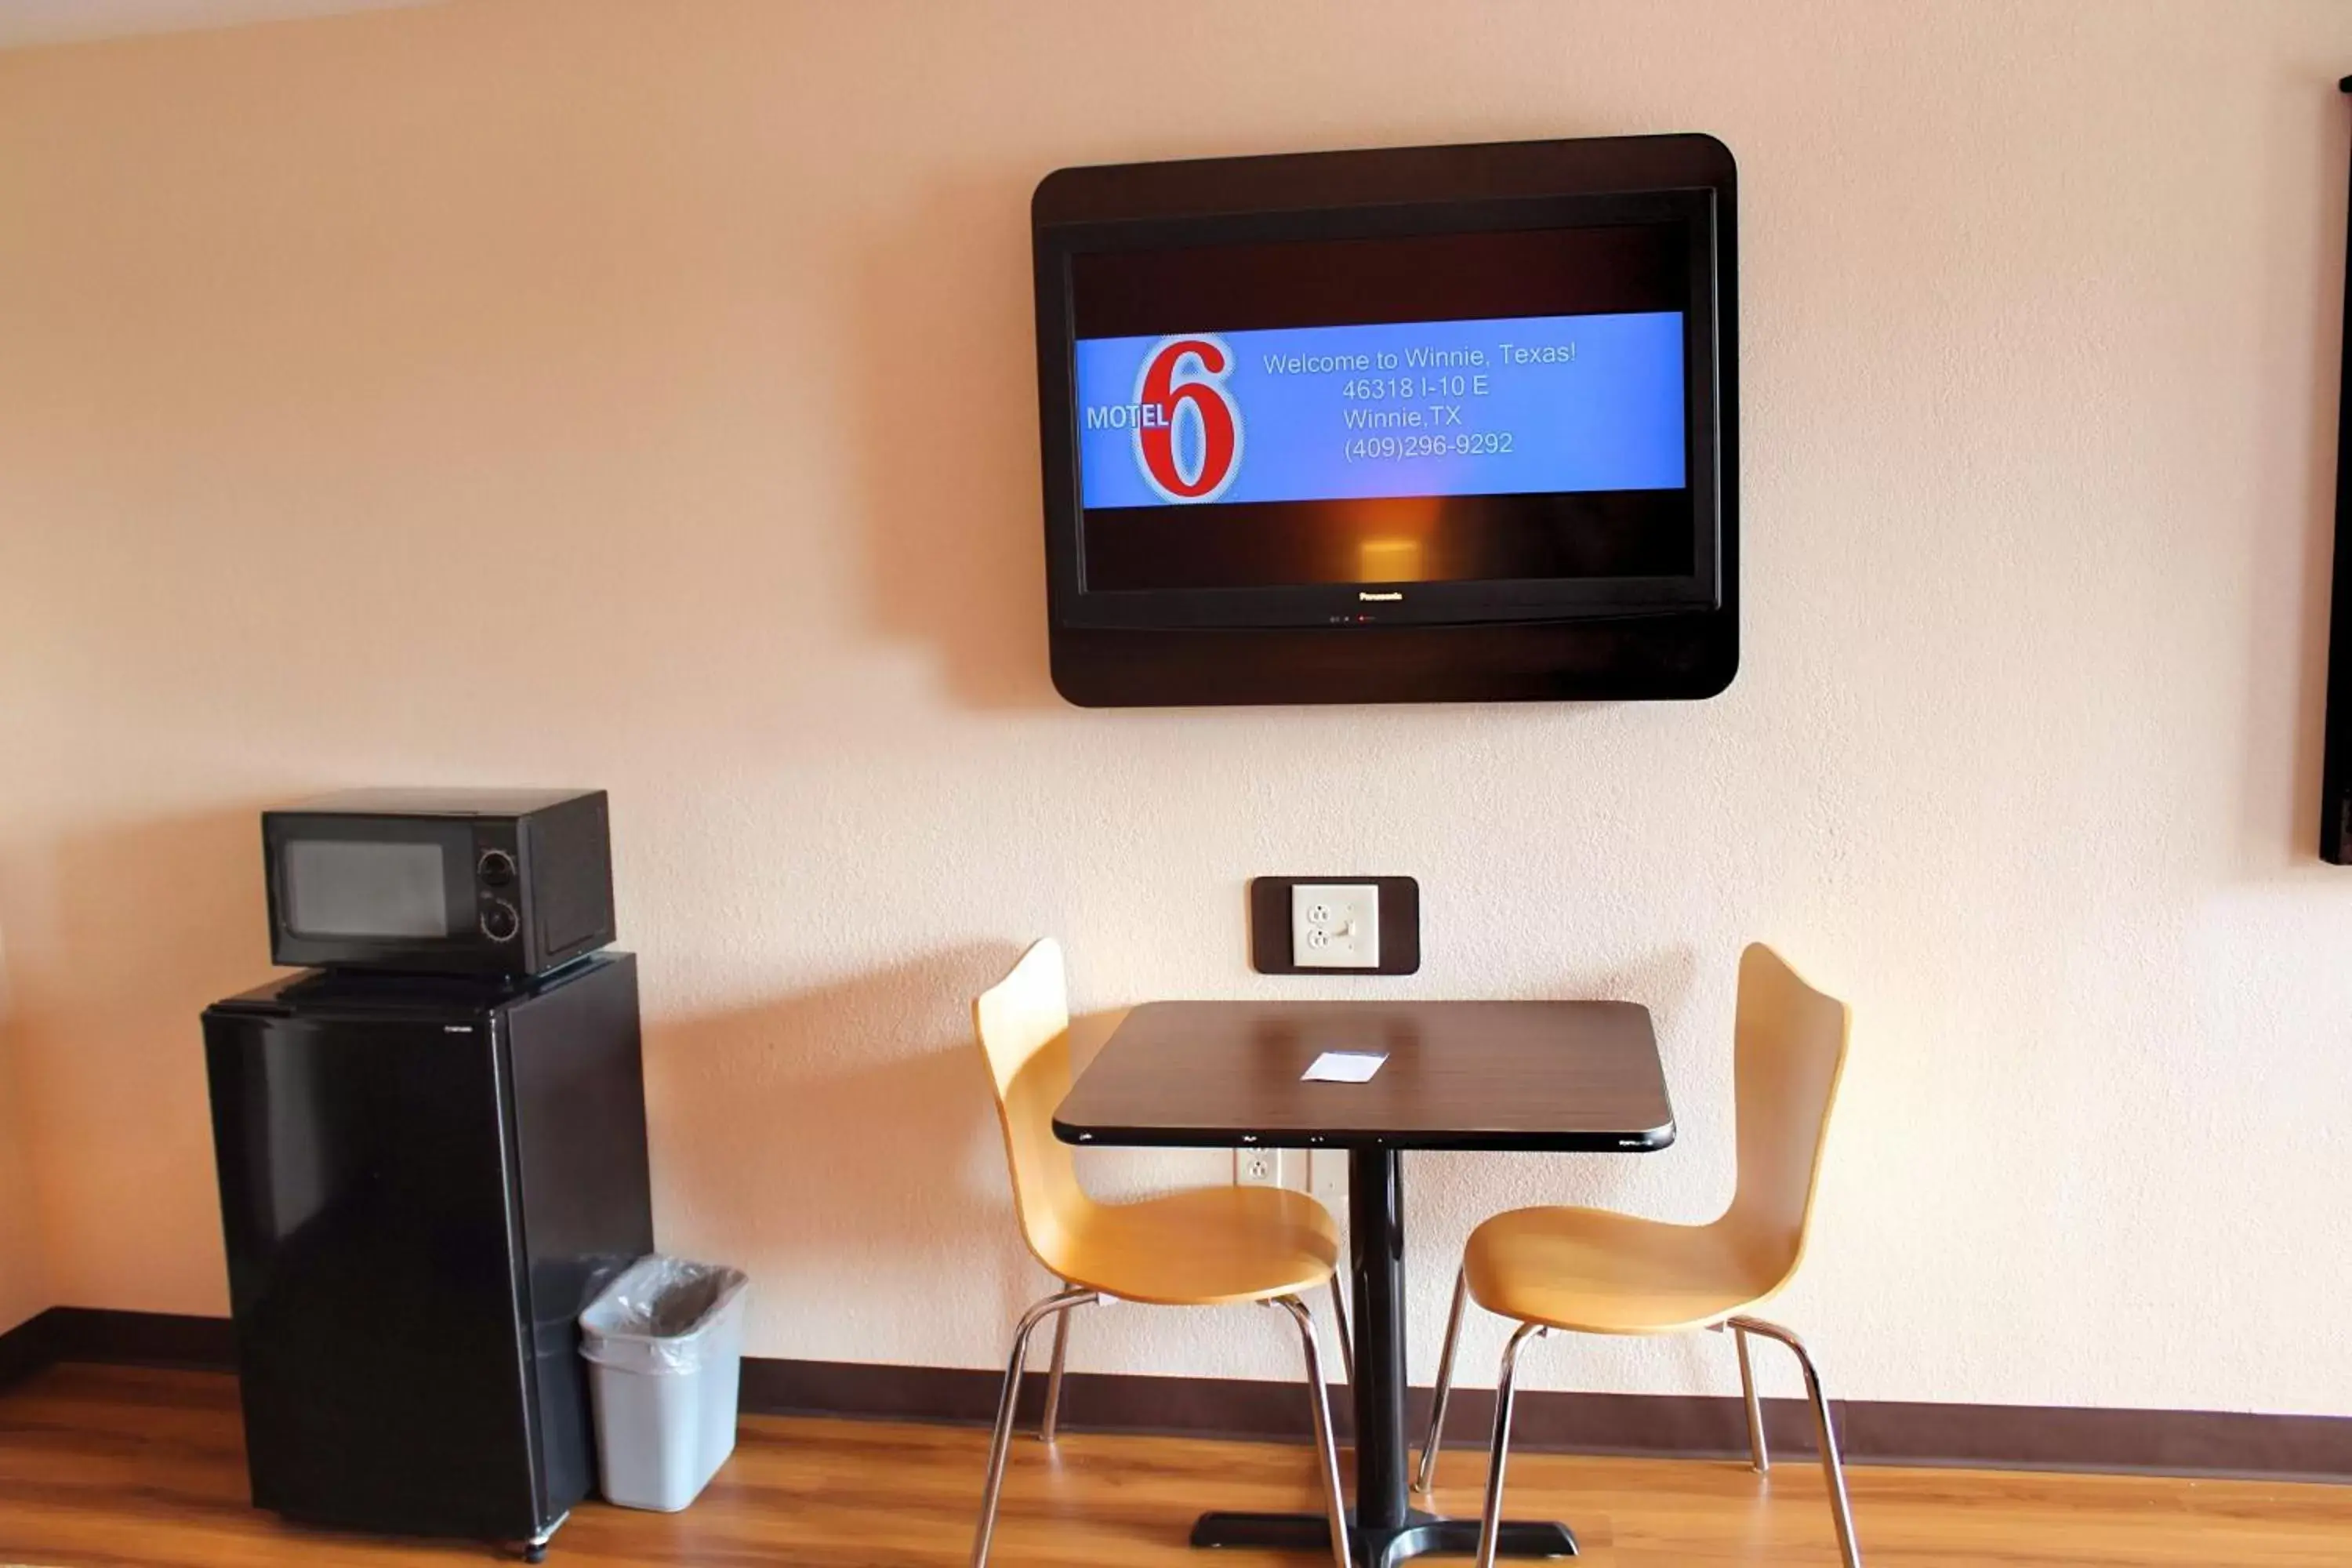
(1219, 423)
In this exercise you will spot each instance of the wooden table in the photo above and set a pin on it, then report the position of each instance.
(1559, 1076)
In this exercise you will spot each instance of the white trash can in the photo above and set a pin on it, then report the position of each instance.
(665, 1347)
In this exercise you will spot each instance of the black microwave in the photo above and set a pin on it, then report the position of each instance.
(496, 882)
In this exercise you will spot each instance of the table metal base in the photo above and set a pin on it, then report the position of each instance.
(1419, 1535)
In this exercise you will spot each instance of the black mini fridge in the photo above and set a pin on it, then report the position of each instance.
(422, 1180)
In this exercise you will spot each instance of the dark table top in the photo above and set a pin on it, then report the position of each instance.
(1459, 1075)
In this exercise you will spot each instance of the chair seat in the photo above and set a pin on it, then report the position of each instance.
(1596, 1272)
(1202, 1248)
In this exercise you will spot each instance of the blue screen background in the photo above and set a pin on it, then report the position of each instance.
(1611, 419)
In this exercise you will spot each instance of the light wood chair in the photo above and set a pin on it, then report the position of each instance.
(1595, 1272)
(1207, 1248)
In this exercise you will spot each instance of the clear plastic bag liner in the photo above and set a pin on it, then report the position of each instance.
(658, 1315)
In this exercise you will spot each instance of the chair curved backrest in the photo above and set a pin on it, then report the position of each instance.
(1788, 1054)
(1023, 1024)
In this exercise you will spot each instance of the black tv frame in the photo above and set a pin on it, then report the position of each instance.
(1594, 639)
(2336, 745)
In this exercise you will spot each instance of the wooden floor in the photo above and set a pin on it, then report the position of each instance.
(115, 1466)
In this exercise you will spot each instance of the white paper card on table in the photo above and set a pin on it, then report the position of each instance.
(1343, 1067)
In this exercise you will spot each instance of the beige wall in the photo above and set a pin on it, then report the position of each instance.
(643, 395)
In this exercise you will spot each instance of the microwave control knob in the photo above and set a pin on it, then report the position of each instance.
(496, 868)
(499, 922)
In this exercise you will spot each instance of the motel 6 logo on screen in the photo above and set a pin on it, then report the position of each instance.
(1186, 427)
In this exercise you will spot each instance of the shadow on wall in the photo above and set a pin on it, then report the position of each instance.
(837, 1138)
(24, 1284)
(946, 400)
(1697, 1065)
(151, 923)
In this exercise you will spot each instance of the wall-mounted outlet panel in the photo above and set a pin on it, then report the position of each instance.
(1335, 925)
(1256, 1167)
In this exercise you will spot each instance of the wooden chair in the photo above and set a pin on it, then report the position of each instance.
(1595, 1272)
(1206, 1247)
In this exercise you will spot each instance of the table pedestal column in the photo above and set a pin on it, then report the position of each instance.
(1376, 1226)
(1387, 1529)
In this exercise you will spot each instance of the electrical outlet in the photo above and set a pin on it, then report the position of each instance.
(1264, 1167)
(1335, 925)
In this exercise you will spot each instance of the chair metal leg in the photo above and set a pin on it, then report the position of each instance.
(1327, 1445)
(1061, 1301)
(1047, 1423)
(1426, 1475)
(1490, 1521)
(1760, 1457)
(1347, 1336)
(1833, 1466)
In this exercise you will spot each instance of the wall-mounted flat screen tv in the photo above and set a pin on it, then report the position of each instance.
(1448, 423)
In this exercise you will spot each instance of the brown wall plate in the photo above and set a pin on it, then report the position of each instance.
(1269, 921)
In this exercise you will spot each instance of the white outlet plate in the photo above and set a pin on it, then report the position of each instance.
(1335, 925)
(1266, 1167)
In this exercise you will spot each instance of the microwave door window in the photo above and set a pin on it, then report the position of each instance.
(340, 888)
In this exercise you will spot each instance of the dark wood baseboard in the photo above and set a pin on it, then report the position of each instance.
(1883, 1432)
(25, 1349)
(1871, 1432)
(119, 1339)
(2212, 1443)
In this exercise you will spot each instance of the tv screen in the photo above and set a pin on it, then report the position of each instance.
(1385, 403)
(1449, 407)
